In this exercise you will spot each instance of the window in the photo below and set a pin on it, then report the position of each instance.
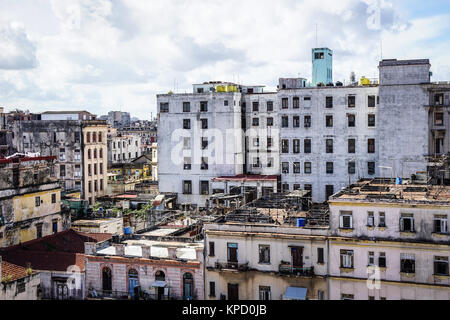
(225, 103)
(255, 106)
(296, 103)
(187, 163)
(351, 120)
(186, 143)
(204, 143)
(39, 231)
(100, 137)
(370, 219)
(77, 137)
(440, 224)
(371, 259)
(269, 121)
(211, 249)
(351, 145)
(371, 168)
(187, 187)
(95, 169)
(371, 146)
(307, 146)
(101, 185)
(347, 259)
(371, 120)
(101, 154)
(407, 223)
(329, 121)
(307, 121)
(407, 263)
(186, 107)
(55, 226)
(54, 198)
(204, 164)
(296, 186)
(441, 266)
(88, 137)
(351, 167)
(269, 106)
(264, 254)
(89, 186)
(204, 106)
(20, 286)
(329, 146)
(285, 188)
(255, 122)
(382, 260)
(330, 168)
(307, 168)
(320, 256)
(204, 187)
(212, 289)
(284, 103)
(164, 107)
(264, 293)
(439, 99)
(285, 146)
(186, 124)
(37, 201)
(439, 119)
(95, 153)
(329, 191)
(256, 162)
(371, 102)
(285, 167)
(382, 220)
(89, 153)
(269, 142)
(321, 295)
(269, 162)
(204, 123)
(285, 122)
(346, 220)
(351, 101)
(296, 121)
(296, 148)
(296, 167)
(329, 102)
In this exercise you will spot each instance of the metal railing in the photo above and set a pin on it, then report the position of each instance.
(298, 271)
(231, 266)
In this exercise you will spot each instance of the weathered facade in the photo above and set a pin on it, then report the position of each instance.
(18, 283)
(389, 242)
(29, 200)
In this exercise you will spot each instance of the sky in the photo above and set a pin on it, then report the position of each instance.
(103, 55)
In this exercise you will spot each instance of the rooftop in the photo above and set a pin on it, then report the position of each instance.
(12, 272)
(385, 190)
(243, 177)
(395, 62)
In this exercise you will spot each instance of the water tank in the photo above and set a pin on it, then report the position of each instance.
(301, 222)
(339, 84)
(399, 181)
(127, 230)
(364, 81)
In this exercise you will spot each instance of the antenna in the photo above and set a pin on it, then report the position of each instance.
(316, 37)
(381, 47)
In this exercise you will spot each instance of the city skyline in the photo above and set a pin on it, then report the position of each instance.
(51, 59)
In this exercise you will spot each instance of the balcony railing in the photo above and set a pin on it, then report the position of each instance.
(231, 266)
(298, 271)
(122, 295)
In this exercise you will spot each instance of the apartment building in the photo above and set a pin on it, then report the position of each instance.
(95, 164)
(389, 241)
(162, 271)
(199, 138)
(123, 148)
(265, 252)
(30, 200)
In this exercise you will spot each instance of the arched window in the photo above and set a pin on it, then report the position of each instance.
(188, 286)
(160, 276)
(107, 279)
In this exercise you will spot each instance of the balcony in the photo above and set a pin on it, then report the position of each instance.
(122, 295)
(235, 266)
(287, 269)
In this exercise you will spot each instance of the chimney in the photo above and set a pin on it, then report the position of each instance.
(172, 253)
(146, 252)
(120, 249)
(90, 248)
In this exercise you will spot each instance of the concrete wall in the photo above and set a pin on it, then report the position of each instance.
(8, 291)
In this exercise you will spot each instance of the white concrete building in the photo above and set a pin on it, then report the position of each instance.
(124, 148)
(395, 234)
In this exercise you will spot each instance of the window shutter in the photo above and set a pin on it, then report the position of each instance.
(341, 221)
(401, 225)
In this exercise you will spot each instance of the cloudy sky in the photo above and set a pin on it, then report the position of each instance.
(103, 55)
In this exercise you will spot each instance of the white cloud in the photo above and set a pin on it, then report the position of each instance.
(115, 54)
(16, 49)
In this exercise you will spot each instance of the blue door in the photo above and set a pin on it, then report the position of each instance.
(133, 281)
(188, 286)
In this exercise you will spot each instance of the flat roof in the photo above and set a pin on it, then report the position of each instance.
(247, 178)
